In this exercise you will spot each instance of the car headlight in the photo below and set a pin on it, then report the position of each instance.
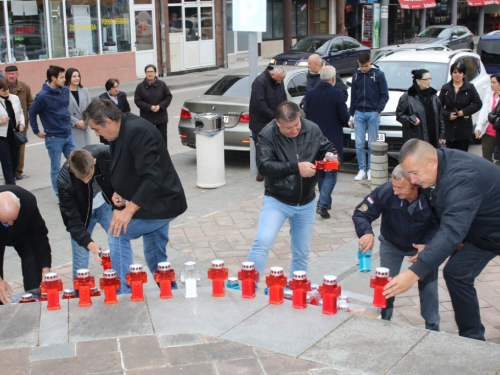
(272, 62)
(302, 63)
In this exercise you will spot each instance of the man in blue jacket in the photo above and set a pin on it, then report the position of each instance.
(51, 104)
(326, 108)
(464, 194)
(407, 222)
(369, 95)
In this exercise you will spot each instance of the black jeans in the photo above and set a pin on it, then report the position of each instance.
(9, 157)
(460, 273)
(163, 130)
(462, 144)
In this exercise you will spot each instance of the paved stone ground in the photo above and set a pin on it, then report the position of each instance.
(181, 353)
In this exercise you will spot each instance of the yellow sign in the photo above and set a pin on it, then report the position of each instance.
(85, 27)
(115, 21)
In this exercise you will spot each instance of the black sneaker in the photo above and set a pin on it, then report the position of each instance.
(19, 176)
(322, 211)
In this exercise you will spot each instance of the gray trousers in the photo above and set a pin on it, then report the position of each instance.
(391, 257)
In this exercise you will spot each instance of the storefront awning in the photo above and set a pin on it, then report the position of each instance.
(420, 4)
(481, 3)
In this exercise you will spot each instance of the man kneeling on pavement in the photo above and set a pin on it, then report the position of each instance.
(407, 224)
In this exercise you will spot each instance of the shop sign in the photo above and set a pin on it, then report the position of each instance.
(482, 3)
(24, 30)
(417, 4)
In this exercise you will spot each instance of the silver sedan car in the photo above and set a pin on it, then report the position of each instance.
(229, 96)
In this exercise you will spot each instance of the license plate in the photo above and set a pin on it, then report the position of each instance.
(380, 137)
(226, 119)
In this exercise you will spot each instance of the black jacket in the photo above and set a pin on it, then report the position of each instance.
(313, 80)
(278, 160)
(465, 200)
(265, 96)
(75, 196)
(398, 227)
(147, 95)
(29, 231)
(410, 104)
(142, 171)
(466, 100)
(328, 110)
(122, 101)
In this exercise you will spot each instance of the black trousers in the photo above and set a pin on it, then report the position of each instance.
(462, 144)
(163, 130)
(30, 266)
(460, 273)
(9, 157)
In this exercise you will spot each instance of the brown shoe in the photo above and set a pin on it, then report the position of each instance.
(259, 178)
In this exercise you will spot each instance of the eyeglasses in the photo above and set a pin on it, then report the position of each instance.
(426, 79)
(150, 71)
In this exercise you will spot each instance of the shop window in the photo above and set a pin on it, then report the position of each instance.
(174, 19)
(274, 19)
(115, 26)
(83, 38)
(28, 33)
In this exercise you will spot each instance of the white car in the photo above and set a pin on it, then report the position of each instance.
(397, 68)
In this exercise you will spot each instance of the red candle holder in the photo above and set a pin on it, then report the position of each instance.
(276, 281)
(51, 287)
(217, 273)
(378, 282)
(106, 259)
(83, 283)
(164, 275)
(300, 286)
(248, 277)
(110, 283)
(136, 278)
(330, 291)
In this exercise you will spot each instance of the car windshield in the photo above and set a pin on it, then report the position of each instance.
(230, 86)
(378, 55)
(490, 52)
(436, 32)
(399, 77)
(311, 45)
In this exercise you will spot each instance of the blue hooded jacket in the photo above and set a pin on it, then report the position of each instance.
(52, 107)
(369, 91)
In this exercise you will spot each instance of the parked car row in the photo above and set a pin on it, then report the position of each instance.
(229, 96)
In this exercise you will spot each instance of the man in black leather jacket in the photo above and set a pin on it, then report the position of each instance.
(85, 193)
(287, 149)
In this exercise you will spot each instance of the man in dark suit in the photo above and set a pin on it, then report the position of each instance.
(145, 182)
(326, 107)
(24, 229)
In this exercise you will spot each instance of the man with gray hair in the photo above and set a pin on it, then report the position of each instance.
(267, 92)
(407, 224)
(288, 148)
(24, 229)
(326, 107)
(315, 63)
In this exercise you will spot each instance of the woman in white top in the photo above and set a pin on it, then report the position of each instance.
(11, 117)
(79, 100)
(484, 130)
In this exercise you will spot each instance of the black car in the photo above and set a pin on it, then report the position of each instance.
(338, 50)
(451, 36)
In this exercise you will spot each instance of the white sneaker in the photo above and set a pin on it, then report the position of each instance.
(361, 174)
(369, 175)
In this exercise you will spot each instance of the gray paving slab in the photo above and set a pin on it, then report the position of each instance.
(19, 325)
(53, 325)
(365, 345)
(101, 321)
(283, 329)
(181, 339)
(53, 351)
(449, 354)
(204, 314)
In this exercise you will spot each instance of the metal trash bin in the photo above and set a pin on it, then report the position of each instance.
(210, 166)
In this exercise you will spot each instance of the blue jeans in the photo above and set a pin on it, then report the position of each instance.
(365, 122)
(391, 257)
(155, 238)
(460, 273)
(57, 146)
(101, 215)
(326, 184)
(272, 217)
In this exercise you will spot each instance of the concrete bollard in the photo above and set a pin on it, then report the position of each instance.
(379, 164)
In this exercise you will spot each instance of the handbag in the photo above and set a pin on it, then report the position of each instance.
(19, 137)
(493, 115)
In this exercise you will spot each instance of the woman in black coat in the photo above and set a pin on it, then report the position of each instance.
(460, 101)
(419, 110)
(114, 94)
